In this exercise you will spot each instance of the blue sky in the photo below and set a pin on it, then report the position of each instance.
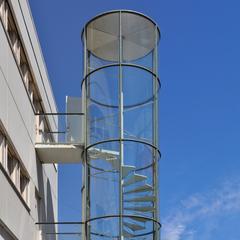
(200, 113)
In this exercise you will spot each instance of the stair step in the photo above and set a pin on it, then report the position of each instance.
(133, 226)
(140, 209)
(141, 199)
(139, 219)
(127, 234)
(96, 153)
(144, 188)
(114, 163)
(126, 169)
(133, 179)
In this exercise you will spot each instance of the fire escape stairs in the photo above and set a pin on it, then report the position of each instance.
(138, 196)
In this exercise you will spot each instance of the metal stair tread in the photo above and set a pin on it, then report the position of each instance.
(133, 179)
(133, 226)
(141, 199)
(114, 163)
(126, 169)
(139, 219)
(96, 153)
(127, 234)
(140, 208)
(144, 188)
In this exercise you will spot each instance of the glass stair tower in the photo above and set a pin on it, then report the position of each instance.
(120, 94)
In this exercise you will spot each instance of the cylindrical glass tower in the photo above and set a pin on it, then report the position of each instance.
(120, 91)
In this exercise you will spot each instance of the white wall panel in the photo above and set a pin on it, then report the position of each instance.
(13, 213)
(18, 119)
(35, 54)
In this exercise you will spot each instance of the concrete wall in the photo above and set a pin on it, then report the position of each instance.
(27, 28)
(18, 120)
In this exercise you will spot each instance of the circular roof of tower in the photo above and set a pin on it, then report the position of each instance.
(139, 35)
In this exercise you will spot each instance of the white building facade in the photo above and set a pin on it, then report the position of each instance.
(28, 189)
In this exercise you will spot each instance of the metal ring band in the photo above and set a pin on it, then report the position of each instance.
(120, 140)
(123, 216)
(124, 65)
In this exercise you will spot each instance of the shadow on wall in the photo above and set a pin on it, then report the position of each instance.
(4, 235)
(50, 212)
(45, 208)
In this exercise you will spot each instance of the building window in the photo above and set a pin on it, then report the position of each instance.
(24, 182)
(13, 169)
(14, 38)
(4, 13)
(19, 52)
(31, 90)
(26, 74)
(3, 151)
(39, 207)
(15, 45)
(11, 166)
(2, 9)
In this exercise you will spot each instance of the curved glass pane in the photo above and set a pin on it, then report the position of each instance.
(145, 61)
(139, 193)
(138, 122)
(138, 104)
(108, 228)
(103, 113)
(130, 174)
(137, 86)
(103, 86)
(103, 162)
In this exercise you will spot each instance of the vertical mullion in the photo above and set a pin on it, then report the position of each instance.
(156, 212)
(120, 129)
(86, 170)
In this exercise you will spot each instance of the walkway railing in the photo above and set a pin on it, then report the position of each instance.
(60, 230)
(59, 128)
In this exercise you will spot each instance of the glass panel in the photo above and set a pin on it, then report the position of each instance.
(103, 163)
(138, 103)
(103, 105)
(74, 123)
(137, 86)
(104, 229)
(138, 122)
(108, 228)
(60, 128)
(145, 61)
(138, 187)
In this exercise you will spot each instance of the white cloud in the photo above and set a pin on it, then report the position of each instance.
(220, 201)
(173, 232)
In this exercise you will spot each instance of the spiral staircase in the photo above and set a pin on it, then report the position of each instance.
(138, 195)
